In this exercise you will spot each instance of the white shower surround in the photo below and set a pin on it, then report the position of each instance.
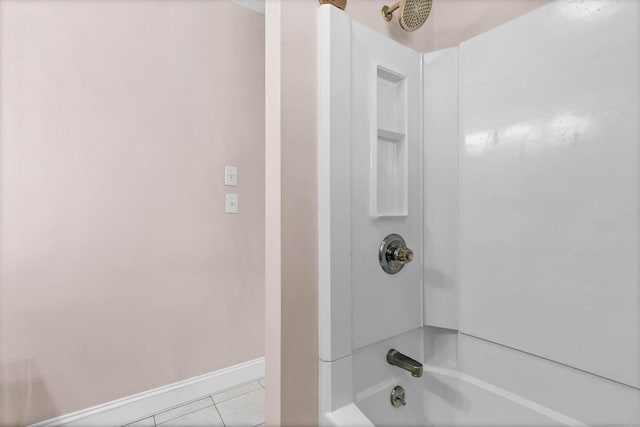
(483, 362)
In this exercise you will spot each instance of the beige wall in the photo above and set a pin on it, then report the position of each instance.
(119, 270)
(291, 212)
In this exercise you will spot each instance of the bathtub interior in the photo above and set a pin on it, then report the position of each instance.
(443, 396)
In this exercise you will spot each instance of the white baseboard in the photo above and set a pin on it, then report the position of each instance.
(145, 404)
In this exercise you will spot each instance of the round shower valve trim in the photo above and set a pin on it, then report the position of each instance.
(398, 397)
(394, 254)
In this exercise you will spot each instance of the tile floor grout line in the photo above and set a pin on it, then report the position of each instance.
(238, 397)
(241, 394)
(219, 414)
(213, 403)
(140, 419)
(171, 408)
(191, 413)
(188, 413)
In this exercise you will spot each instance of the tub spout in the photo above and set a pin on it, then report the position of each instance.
(394, 357)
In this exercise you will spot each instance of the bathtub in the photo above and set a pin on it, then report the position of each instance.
(444, 397)
(361, 384)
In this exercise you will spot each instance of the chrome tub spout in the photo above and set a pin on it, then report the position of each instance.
(394, 357)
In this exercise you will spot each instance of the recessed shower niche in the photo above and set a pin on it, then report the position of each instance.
(389, 172)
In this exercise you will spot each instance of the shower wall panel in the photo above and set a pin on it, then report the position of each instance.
(386, 184)
(440, 100)
(370, 184)
(549, 186)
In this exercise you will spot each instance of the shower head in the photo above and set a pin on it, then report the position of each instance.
(412, 13)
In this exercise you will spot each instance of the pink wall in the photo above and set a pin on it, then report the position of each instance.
(119, 270)
(291, 210)
(291, 214)
(457, 20)
(273, 214)
(450, 22)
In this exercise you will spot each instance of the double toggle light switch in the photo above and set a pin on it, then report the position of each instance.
(231, 179)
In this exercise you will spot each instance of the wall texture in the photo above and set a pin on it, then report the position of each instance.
(119, 270)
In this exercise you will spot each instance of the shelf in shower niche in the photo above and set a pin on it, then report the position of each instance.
(390, 135)
(389, 174)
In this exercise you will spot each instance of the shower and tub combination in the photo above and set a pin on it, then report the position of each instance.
(478, 221)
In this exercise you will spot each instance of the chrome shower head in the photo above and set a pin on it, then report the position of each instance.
(412, 13)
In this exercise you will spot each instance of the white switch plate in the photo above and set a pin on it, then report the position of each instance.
(231, 203)
(230, 175)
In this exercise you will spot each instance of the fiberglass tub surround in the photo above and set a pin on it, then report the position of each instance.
(509, 165)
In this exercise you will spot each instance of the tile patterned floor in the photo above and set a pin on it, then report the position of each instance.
(241, 406)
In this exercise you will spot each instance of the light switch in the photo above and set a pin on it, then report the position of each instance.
(230, 175)
(231, 205)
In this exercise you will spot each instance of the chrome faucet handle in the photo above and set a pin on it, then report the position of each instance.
(394, 254)
(403, 255)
